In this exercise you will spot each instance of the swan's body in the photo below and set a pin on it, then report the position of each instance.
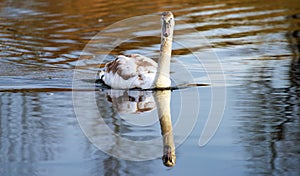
(137, 71)
(130, 71)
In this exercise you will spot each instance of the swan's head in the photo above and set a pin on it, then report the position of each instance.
(169, 157)
(167, 23)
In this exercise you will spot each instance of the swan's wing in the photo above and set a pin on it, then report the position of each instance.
(128, 66)
(130, 71)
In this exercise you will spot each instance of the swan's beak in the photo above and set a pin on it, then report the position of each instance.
(168, 159)
(166, 31)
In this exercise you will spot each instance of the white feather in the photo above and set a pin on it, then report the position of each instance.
(132, 71)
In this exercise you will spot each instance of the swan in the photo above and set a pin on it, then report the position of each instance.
(138, 71)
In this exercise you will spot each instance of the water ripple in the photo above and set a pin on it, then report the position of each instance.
(257, 43)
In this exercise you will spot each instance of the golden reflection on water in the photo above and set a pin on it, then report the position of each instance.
(43, 34)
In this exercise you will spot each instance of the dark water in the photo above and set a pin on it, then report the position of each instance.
(258, 46)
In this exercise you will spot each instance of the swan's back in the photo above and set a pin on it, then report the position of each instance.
(130, 71)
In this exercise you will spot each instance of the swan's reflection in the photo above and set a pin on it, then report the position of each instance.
(163, 100)
(130, 102)
(139, 102)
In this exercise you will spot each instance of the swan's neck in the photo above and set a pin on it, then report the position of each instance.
(163, 100)
(163, 71)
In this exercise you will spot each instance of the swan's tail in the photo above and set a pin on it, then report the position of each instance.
(101, 75)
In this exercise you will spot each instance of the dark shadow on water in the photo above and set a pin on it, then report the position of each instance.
(101, 85)
(270, 116)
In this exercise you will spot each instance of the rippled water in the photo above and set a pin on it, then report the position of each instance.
(256, 42)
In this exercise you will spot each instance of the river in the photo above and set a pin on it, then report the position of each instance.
(247, 52)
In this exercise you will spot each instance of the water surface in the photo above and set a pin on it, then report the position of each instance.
(258, 46)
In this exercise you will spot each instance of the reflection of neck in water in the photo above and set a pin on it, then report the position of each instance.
(163, 98)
